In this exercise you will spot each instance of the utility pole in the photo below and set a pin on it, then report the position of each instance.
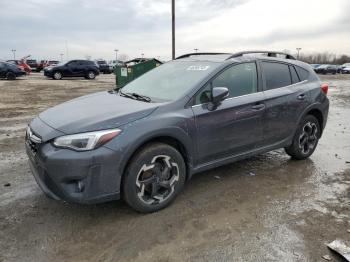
(14, 53)
(142, 55)
(116, 55)
(298, 49)
(61, 55)
(196, 49)
(173, 28)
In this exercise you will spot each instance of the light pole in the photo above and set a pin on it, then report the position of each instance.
(196, 49)
(298, 49)
(173, 29)
(116, 55)
(14, 53)
(61, 55)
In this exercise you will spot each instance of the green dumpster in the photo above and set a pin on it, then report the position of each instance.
(133, 69)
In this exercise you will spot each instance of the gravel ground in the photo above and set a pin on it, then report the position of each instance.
(266, 208)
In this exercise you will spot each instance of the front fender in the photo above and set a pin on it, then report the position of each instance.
(138, 133)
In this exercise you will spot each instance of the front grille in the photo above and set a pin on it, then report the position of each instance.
(32, 140)
(32, 145)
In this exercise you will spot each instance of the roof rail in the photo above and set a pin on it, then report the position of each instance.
(206, 53)
(269, 53)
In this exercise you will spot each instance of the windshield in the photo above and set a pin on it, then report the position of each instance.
(170, 81)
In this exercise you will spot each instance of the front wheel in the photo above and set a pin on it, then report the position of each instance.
(154, 177)
(90, 75)
(57, 75)
(305, 139)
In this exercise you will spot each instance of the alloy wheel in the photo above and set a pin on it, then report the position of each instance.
(156, 181)
(308, 137)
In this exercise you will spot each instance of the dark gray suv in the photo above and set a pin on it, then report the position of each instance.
(143, 141)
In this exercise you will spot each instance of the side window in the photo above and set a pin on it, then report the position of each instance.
(276, 75)
(204, 96)
(2, 65)
(240, 79)
(73, 63)
(302, 73)
(293, 73)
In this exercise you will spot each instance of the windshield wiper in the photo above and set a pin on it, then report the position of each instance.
(136, 96)
(141, 97)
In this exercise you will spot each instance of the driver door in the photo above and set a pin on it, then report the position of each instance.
(70, 68)
(234, 126)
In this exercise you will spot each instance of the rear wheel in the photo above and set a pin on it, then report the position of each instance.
(57, 75)
(10, 76)
(154, 177)
(90, 75)
(305, 139)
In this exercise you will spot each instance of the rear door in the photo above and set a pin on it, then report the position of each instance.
(234, 126)
(286, 98)
(83, 67)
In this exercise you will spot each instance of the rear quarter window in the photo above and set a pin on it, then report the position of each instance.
(294, 75)
(276, 75)
(302, 73)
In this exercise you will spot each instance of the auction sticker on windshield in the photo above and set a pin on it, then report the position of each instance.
(198, 68)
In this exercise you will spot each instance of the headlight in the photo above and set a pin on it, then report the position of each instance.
(86, 141)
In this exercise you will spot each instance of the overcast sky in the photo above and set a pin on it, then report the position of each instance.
(97, 27)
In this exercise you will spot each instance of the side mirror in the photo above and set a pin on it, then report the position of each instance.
(219, 94)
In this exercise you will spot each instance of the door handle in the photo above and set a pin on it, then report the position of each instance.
(301, 96)
(258, 107)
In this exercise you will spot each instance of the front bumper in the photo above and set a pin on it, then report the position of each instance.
(80, 177)
(48, 73)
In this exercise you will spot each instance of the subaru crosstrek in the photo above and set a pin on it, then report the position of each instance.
(143, 141)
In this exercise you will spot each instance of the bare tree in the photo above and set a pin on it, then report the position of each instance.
(324, 58)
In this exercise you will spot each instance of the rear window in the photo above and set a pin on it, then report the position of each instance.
(276, 75)
(302, 73)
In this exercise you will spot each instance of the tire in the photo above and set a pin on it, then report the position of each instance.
(90, 75)
(57, 75)
(154, 177)
(305, 139)
(11, 76)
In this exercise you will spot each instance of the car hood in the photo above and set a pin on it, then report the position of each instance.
(98, 111)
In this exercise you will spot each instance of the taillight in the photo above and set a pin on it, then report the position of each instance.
(324, 88)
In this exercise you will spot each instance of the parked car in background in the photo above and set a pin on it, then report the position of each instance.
(314, 66)
(10, 71)
(346, 68)
(46, 63)
(113, 63)
(73, 68)
(32, 63)
(203, 110)
(22, 65)
(103, 67)
(339, 69)
(326, 69)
